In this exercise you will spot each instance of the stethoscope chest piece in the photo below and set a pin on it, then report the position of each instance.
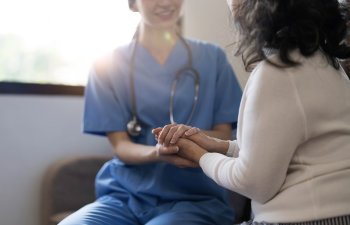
(134, 127)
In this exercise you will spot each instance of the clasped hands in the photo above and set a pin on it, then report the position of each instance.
(182, 145)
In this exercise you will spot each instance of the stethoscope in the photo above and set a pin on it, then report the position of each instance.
(134, 127)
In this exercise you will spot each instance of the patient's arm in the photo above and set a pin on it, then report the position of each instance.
(170, 134)
(209, 143)
(190, 150)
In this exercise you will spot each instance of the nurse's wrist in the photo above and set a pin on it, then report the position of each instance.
(153, 155)
(159, 152)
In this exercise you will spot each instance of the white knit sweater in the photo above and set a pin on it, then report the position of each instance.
(294, 140)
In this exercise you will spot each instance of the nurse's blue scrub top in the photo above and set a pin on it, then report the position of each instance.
(108, 108)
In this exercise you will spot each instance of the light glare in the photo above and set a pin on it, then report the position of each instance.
(79, 30)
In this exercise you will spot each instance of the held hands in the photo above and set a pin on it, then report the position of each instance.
(171, 133)
(166, 152)
(191, 143)
(170, 155)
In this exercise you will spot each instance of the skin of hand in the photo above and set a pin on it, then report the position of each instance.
(169, 134)
(173, 132)
(208, 143)
(190, 150)
(170, 155)
(136, 154)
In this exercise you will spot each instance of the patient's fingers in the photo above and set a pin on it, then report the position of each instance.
(164, 133)
(192, 131)
(180, 131)
(173, 130)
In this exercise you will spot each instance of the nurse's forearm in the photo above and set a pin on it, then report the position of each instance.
(135, 154)
(221, 131)
(223, 135)
(129, 152)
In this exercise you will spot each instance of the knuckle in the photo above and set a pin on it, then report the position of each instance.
(186, 127)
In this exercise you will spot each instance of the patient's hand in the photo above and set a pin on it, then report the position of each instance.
(169, 134)
(190, 150)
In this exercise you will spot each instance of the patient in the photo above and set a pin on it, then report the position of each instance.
(292, 154)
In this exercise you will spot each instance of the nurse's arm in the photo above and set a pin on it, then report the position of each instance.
(220, 131)
(136, 154)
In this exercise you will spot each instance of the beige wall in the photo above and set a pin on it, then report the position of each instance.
(209, 20)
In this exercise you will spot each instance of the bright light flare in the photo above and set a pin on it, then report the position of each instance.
(80, 30)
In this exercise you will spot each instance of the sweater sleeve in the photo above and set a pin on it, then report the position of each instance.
(273, 125)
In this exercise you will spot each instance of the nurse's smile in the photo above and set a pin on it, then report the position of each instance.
(165, 15)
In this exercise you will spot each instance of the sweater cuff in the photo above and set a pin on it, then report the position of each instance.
(233, 150)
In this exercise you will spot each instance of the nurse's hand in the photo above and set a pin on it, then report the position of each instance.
(170, 155)
(169, 134)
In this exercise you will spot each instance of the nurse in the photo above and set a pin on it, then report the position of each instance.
(134, 88)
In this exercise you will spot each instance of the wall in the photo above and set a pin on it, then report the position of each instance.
(34, 132)
(210, 20)
(37, 130)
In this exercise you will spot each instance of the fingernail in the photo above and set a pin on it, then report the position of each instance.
(177, 148)
(172, 141)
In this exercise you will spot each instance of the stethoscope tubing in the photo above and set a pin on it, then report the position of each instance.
(173, 89)
(189, 67)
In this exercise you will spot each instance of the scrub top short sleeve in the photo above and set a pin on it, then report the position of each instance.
(103, 110)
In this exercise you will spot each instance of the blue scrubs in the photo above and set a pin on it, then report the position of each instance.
(158, 193)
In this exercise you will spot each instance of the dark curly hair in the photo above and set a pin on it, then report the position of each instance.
(286, 25)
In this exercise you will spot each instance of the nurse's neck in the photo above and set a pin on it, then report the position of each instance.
(158, 42)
